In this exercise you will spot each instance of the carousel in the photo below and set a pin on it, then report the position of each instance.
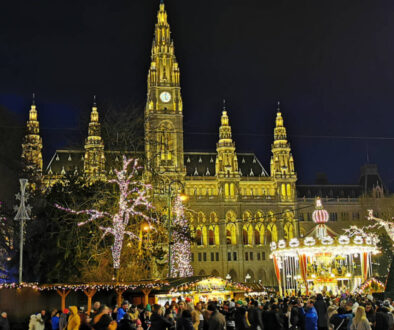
(323, 261)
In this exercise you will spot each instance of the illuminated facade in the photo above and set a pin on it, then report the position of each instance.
(236, 208)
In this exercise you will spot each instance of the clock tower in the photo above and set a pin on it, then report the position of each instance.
(163, 111)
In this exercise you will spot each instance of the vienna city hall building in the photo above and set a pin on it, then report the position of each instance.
(236, 207)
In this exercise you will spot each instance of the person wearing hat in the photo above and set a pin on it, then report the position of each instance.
(122, 310)
(216, 319)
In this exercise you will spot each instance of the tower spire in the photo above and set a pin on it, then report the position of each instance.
(282, 162)
(32, 144)
(226, 160)
(94, 160)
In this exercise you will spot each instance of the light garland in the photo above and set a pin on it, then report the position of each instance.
(328, 240)
(309, 241)
(294, 242)
(387, 225)
(181, 250)
(281, 244)
(343, 239)
(133, 201)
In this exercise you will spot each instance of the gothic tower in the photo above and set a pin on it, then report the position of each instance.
(163, 111)
(282, 162)
(226, 160)
(94, 159)
(32, 144)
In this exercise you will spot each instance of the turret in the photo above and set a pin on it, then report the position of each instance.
(94, 160)
(32, 144)
(226, 160)
(282, 162)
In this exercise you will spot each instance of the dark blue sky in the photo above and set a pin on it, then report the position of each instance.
(330, 63)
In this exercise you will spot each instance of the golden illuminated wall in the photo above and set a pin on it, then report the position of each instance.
(32, 144)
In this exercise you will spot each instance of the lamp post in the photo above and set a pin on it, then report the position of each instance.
(22, 215)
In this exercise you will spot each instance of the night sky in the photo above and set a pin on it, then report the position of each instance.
(330, 63)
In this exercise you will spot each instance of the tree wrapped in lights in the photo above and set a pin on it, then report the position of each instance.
(133, 204)
(180, 252)
(380, 223)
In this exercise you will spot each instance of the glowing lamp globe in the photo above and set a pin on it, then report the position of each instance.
(320, 215)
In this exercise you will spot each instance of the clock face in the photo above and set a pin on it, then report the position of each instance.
(165, 97)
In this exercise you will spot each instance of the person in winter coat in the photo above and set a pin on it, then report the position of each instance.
(103, 321)
(33, 322)
(273, 318)
(126, 323)
(382, 320)
(216, 320)
(370, 313)
(74, 320)
(311, 317)
(55, 320)
(63, 319)
(360, 321)
(197, 317)
(4, 324)
(158, 321)
(240, 316)
(341, 319)
(40, 323)
(321, 309)
(185, 322)
(122, 311)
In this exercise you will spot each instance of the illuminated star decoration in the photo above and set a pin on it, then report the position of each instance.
(180, 252)
(387, 225)
(133, 201)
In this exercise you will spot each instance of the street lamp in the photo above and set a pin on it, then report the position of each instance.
(22, 215)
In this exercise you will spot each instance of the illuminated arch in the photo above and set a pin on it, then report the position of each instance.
(231, 234)
(233, 275)
(215, 273)
(213, 218)
(231, 216)
(201, 217)
(288, 231)
(261, 276)
(247, 216)
(201, 235)
(271, 233)
(213, 235)
(166, 141)
(259, 234)
(189, 217)
(251, 273)
(247, 234)
(259, 216)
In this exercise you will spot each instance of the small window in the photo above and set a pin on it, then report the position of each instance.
(204, 256)
(258, 255)
(262, 255)
(199, 257)
(251, 256)
(192, 257)
(217, 256)
(246, 256)
(235, 256)
(212, 256)
(228, 256)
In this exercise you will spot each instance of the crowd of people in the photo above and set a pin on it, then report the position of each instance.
(295, 313)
